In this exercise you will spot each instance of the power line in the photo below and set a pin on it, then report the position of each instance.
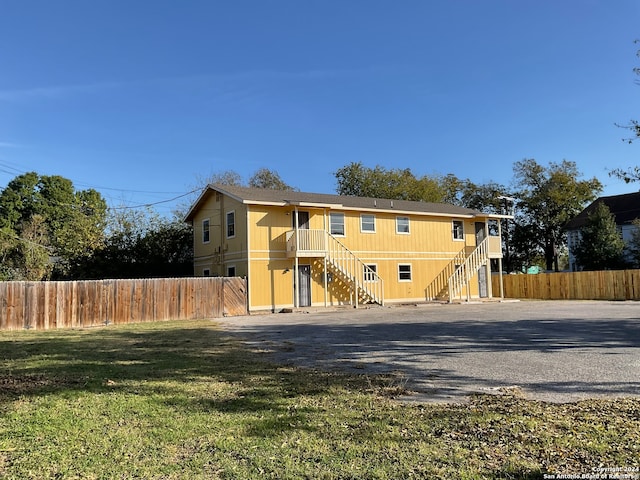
(4, 166)
(156, 203)
(15, 236)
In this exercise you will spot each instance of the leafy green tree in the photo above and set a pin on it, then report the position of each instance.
(34, 250)
(19, 201)
(261, 178)
(548, 197)
(487, 198)
(140, 244)
(398, 184)
(600, 246)
(72, 221)
(225, 177)
(497, 199)
(265, 178)
(26, 257)
(8, 244)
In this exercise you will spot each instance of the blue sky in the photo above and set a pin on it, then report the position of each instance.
(140, 98)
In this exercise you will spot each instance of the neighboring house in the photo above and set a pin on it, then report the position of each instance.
(306, 249)
(625, 208)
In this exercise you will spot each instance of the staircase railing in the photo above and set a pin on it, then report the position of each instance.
(368, 286)
(466, 271)
(439, 288)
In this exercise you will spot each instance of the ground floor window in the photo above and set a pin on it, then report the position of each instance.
(231, 271)
(370, 272)
(404, 272)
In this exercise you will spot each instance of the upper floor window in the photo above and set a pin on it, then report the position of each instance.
(402, 224)
(458, 230)
(205, 231)
(231, 224)
(336, 224)
(368, 223)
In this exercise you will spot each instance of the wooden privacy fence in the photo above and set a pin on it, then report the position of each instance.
(44, 305)
(601, 285)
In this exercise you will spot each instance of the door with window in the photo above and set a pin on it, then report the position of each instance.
(304, 285)
(481, 233)
(303, 220)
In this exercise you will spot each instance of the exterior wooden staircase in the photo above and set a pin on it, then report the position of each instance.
(365, 284)
(457, 275)
(439, 288)
(465, 272)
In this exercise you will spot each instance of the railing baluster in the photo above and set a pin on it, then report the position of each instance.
(344, 261)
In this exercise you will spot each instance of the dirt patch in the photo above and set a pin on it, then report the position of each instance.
(30, 383)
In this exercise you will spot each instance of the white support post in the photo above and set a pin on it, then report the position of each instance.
(500, 261)
(297, 266)
(501, 284)
(466, 269)
(326, 252)
(354, 274)
(326, 283)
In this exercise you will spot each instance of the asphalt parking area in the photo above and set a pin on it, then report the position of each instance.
(556, 351)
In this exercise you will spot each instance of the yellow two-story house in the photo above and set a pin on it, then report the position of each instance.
(308, 249)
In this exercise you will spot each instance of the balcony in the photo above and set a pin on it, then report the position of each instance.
(306, 243)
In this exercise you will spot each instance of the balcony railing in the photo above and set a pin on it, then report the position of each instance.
(495, 246)
(306, 243)
(365, 284)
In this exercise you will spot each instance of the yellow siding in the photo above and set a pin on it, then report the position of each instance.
(220, 252)
(271, 284)
(271, 272)
(259, 251)
(428, 248)
(268, 226)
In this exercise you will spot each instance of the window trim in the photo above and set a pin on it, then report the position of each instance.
(453, 230)
(344, 229)
(408, 232)
(366, 275)
(208, 230)
(373, 217)
(230, 212)
(400, 279)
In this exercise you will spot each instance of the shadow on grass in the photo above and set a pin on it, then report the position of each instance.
(192, 369)
(196, 368)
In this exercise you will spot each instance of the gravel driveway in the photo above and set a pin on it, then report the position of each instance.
(557, 351)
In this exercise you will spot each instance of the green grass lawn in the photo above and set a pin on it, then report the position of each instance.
(182, 400)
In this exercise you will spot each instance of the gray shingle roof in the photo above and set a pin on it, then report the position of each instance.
(626, 209)
(259, 195)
